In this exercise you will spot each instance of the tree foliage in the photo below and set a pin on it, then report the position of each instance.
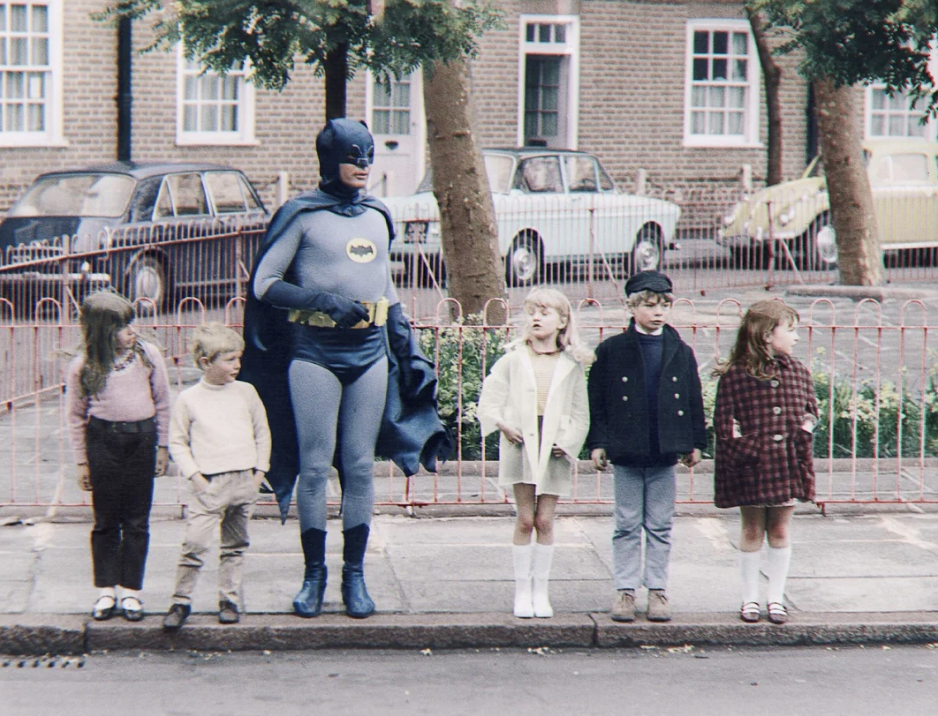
(273, 35)
(861, 41)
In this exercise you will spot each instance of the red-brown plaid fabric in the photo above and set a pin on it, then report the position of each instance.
(772, 462)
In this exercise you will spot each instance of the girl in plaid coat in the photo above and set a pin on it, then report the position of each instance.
(764, 418)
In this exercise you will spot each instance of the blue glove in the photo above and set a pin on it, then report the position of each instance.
(345, 312)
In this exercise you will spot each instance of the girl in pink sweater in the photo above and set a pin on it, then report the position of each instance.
(117, 408)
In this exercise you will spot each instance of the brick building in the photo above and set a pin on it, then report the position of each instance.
(671, 87)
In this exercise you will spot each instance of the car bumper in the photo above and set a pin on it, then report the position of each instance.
(745, 241)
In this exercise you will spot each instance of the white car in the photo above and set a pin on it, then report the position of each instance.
(554, 207)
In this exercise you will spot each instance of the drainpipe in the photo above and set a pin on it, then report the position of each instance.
(124, 88)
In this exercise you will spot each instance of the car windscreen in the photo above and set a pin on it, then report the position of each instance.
(497, 166)
(84, 195)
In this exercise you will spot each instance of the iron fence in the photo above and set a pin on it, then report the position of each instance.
(873, 366)
(705, 238)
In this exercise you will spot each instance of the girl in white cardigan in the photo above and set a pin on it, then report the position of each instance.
(536, 396)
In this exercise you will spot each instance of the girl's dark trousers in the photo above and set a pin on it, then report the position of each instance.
(122, 462)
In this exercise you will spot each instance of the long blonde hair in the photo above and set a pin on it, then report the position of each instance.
(103, 315)
(568, 339)
(750, 349)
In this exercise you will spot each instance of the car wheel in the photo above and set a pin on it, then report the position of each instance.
(148, 285)
(524, 262)
(819, 246)
(648, 252)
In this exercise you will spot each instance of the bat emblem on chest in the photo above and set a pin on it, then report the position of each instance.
(361, 251)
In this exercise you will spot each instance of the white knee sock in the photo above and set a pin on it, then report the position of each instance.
(777, 571)
(749, 571)
(543, 556)
(521, 554)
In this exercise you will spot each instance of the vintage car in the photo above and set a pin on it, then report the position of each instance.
(553, 207)
(903, 177)
(149, 230)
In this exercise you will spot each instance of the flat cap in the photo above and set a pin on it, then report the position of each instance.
(654, 281)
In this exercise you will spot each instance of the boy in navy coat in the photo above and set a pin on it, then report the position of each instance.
(646, 412)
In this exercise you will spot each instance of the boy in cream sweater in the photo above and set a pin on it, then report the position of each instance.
(219, 439)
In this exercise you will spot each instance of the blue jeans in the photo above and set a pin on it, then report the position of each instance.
(644, 500)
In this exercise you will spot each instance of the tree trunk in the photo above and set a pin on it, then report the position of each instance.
(772, 75)
(336, 69)
(469, 233)
(848, 187)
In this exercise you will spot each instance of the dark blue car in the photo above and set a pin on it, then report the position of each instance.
(153, 231)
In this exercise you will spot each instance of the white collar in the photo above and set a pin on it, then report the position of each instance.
(656, 332)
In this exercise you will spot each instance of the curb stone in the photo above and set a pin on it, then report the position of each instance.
(859, 293)
(56, 634)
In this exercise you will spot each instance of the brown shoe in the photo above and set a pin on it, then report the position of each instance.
(623, 608)
(228, 613)
(658, 610)
(176, 617)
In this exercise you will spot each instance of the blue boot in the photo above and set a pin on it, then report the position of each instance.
(357, 602)
(308, 603)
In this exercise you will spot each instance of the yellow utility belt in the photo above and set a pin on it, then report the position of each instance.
(377, 316)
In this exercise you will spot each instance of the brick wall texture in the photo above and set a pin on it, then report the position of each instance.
(631, 108)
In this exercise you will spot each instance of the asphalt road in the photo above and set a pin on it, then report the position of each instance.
(681, 680)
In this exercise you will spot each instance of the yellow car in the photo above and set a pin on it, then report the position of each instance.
(903, 176)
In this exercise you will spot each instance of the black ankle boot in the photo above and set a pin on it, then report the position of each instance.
(308, 603)
(357, 602)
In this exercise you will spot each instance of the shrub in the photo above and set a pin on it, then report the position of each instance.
(458, 352)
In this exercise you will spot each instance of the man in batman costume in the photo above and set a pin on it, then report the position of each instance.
(335, 360)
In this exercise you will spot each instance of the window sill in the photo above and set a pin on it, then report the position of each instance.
(32, 143)
(713, 143)
(215, 142)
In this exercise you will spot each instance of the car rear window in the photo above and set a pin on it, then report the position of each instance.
(86, 195)
(498, 168)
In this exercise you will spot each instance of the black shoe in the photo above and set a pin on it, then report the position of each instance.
(132, 609)
(228, 613)
(104, 608)
(308, 603)
(176, 617)
(357, 602)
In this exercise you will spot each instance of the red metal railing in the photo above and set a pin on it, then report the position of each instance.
(873, 366)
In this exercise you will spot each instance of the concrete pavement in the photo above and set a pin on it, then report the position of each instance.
(447, 582)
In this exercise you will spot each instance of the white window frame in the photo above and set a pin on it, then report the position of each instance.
(931, 126)
(244, 136)
(750, 137)
(52, 135)
(569, 48)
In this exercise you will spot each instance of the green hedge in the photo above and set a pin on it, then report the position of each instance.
(460, 357)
